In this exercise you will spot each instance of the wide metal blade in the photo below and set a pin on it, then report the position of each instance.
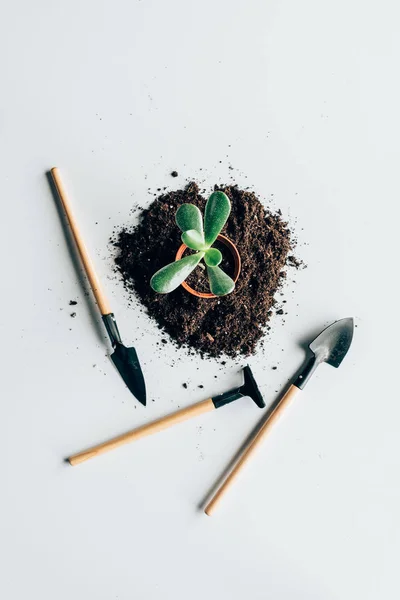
(127, 363)
(332, 344)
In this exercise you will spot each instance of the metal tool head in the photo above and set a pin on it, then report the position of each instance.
(126, 360)
(250, 387)
(332, 344)
(127, 363)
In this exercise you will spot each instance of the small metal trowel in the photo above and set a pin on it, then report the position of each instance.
(330, 346)
(125, 359)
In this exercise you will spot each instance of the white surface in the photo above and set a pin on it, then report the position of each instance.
(303, 99)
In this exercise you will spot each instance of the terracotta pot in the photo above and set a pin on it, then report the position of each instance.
(236, 257)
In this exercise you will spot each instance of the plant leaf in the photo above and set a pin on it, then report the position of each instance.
(188, 217)
(216, 214)
(170, 277)
(193, 239)
(220, 283)
(212, 257)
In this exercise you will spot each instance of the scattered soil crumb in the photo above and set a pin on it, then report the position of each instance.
(292, 261)
(73, 302)
(185, 385)
(174, 174)
(73, 315)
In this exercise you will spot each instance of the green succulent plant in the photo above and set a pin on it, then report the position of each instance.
(200, 239)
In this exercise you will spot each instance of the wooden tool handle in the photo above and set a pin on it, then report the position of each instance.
(136, 434)
(250, 448)
(87, 263)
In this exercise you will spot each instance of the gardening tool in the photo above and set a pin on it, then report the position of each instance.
(125, 359)
(249, 388)
(330, 346)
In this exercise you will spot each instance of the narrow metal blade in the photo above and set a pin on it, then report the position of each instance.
(127, 363)
(333, 343)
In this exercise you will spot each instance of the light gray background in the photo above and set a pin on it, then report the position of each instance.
(302, 98)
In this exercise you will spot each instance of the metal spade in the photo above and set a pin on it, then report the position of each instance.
(330, 346)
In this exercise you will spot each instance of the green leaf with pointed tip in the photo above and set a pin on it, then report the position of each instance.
(170, 277)
(193, 239)
(188, 217)
(220, 283)
(212, 257)
(216, 214)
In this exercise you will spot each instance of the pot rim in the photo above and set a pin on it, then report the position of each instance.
(236, 257)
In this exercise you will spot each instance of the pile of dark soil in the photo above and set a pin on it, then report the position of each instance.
(228, 325)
